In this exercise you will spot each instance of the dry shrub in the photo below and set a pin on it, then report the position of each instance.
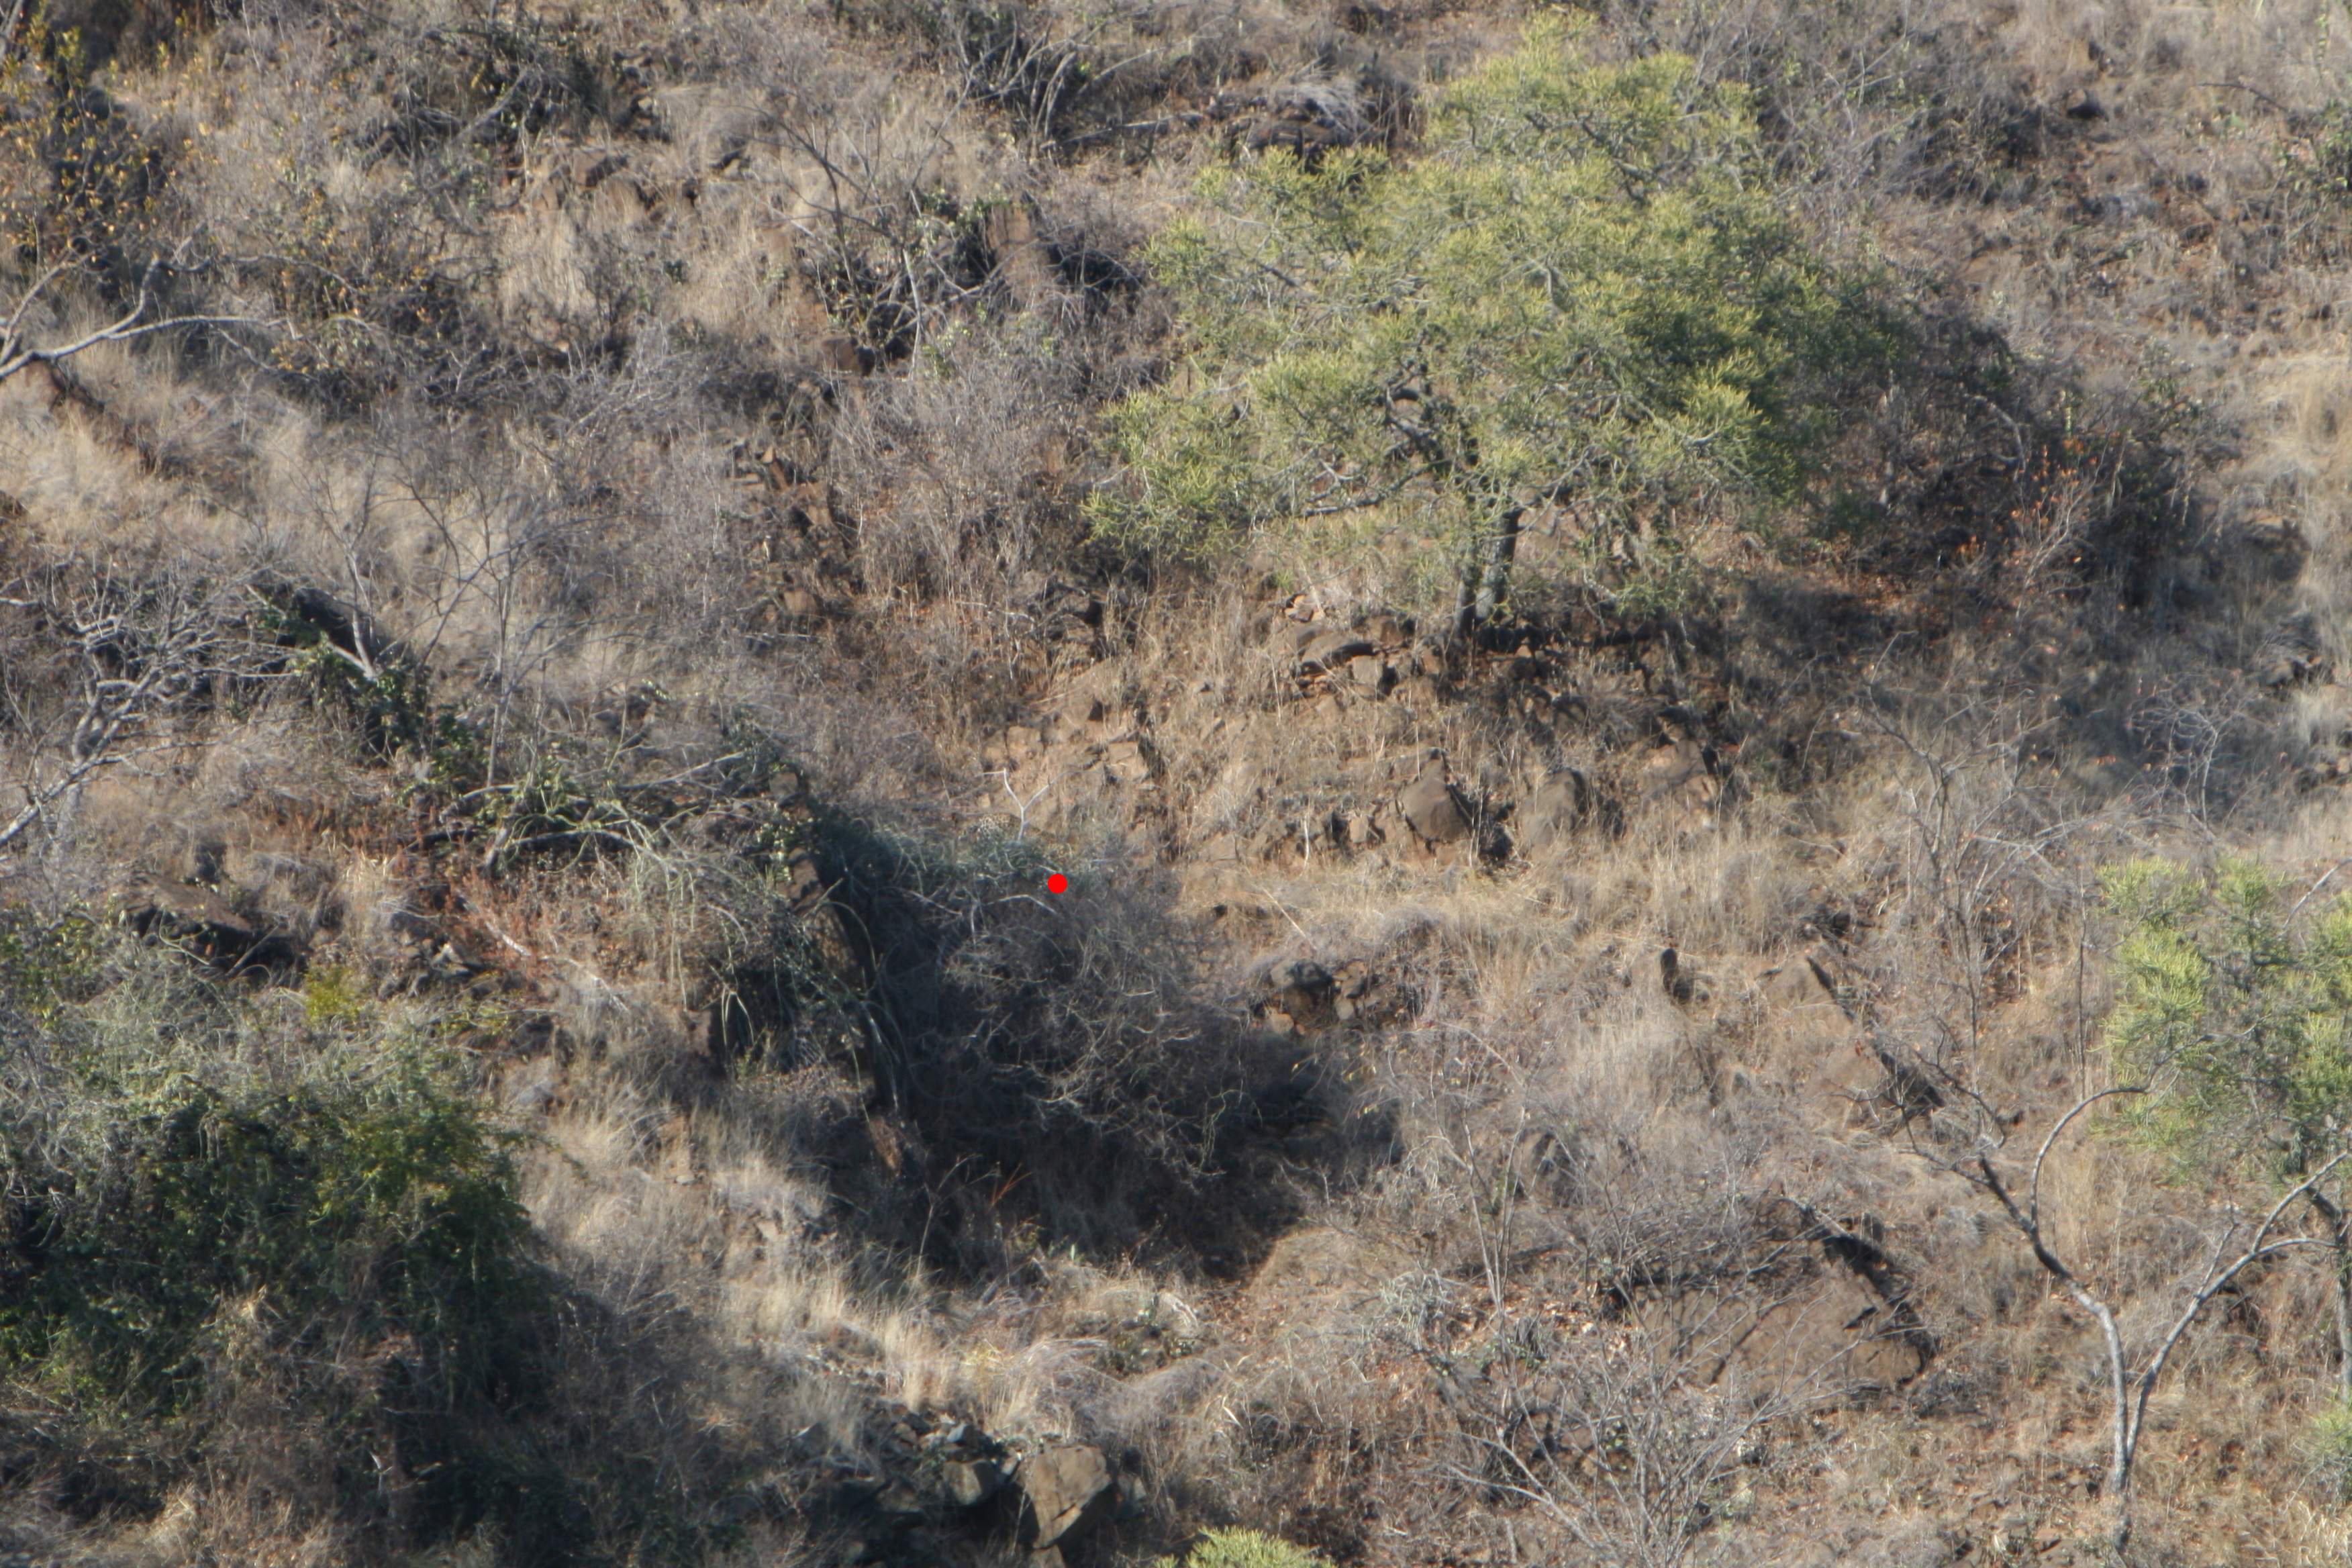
(958, 472)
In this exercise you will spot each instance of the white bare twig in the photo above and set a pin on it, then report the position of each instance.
(17, 354)
(132, 665)
(2129, 1388)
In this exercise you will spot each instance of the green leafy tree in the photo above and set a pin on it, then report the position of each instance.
(2235, 1007)
(1581, 296)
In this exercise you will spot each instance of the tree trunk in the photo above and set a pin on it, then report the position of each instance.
(2124, 1441)
(1502, 548)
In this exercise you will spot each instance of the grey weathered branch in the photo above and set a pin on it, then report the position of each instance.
(177, 653)
(16, 355)
(2129, 1390)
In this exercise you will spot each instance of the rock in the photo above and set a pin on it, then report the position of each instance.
(201, 923)
(1363, 830)
(968, 1483)
(1431, 806)
(1553, 813)
(1332, 651)
(1066, 1491)
(1371, 673)
(1303, 992)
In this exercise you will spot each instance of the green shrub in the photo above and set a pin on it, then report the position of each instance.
(1243, 1549)
(202, 1188)
(2314, 164)
(2233, 1008)
(1582, 296)
(2327, 1447)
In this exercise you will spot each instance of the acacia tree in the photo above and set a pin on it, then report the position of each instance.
(2240, 1243)
(1581, 296)
(2236, 1008)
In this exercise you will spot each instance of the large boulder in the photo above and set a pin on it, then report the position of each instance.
(204, 924)
(1431, 804)
(1553, 813)
(1066, 1491)
(1333, 652)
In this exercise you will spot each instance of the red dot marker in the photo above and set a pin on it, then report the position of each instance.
(1058, 883)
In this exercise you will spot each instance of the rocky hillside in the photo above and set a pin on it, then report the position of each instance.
(1246, 786)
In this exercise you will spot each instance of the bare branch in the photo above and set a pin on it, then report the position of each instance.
(2034, 1197)
(15, 356)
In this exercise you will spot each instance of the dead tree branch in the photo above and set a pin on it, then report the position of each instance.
(17, 354)
(137, 653)
(2130, 1386)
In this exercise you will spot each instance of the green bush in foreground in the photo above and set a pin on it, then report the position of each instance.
(1243, 1549)
(213, 1200)
(2233, 1008)
(2328, 1445)
(1582, 296)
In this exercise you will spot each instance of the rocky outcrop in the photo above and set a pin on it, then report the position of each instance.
(933, 1488)
(1380, 751)
(205, 924)
(1066, 1491)
(1431, 806)
(938, 1489)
